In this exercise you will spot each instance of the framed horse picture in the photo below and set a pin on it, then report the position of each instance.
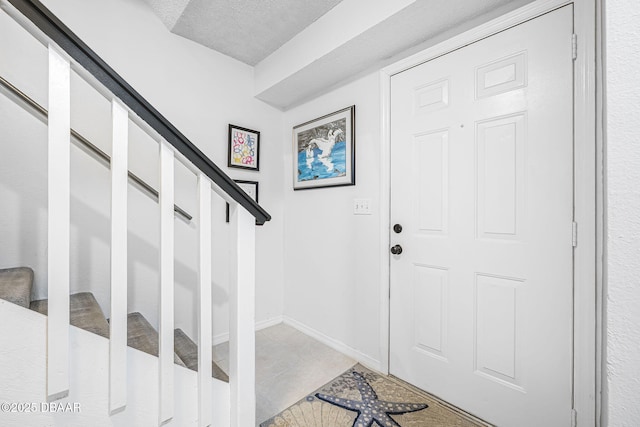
(324, 152)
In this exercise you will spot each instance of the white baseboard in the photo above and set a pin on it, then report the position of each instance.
(262, 324)
(343, 348)
(220, 338)
(360, 357)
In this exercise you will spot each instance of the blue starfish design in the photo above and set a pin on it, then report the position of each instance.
(371, 409)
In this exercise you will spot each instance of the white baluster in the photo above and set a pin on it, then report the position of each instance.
(205, 400)
(59, 161)
(165, 332)
(118, 322)
(242, 317)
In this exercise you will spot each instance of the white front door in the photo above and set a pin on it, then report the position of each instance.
(482, 185)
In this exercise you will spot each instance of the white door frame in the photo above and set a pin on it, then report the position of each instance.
(588, 192)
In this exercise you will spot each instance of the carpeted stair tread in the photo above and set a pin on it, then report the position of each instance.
(142, 336)
(84, 312)
(15, 285)
(186, 349)
(188, 352)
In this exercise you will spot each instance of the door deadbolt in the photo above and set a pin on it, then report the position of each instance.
(397, 228)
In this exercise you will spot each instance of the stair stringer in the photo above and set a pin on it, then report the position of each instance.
(23, 380)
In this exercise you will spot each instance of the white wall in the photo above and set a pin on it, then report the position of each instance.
(622, 59)
(331, 256)
(332, 276)
(23, 337)
(200, 92)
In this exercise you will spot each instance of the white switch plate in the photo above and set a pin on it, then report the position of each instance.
(362, 206)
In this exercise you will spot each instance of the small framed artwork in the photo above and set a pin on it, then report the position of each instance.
(249, 187)
(324, 151)
(244, 148)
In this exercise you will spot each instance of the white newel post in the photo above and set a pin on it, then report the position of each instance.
(242, 317)
(59, 163)
(166, 282)
(118, 322)
(205, 399)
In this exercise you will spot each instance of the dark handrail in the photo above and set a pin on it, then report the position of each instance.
(49, 24)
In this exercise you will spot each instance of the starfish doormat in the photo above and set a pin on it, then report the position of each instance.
(362, 398)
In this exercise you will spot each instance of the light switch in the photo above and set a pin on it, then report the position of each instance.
(362, 206)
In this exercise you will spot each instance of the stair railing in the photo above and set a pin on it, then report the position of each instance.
(84, 143)
(67, 51)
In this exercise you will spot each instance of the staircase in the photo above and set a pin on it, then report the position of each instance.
(85, 313)
(63, 350)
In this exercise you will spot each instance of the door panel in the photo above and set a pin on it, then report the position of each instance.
(482, 183)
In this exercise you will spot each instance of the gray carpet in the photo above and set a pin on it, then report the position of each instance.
(187, 350)
(142, 336)
(15, 285)
(84, 312)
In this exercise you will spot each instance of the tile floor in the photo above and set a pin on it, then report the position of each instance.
(289, 365)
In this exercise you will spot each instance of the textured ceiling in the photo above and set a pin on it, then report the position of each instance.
(168, 10)
(267, 34)
(247, 30)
